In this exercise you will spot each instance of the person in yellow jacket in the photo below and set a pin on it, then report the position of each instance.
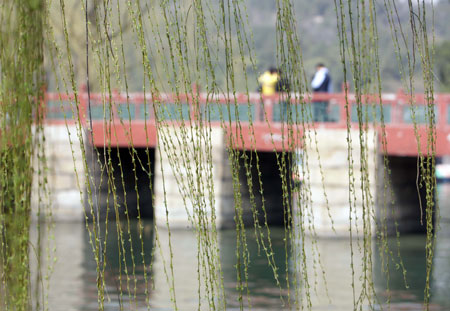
(268, 81)
(271, 82)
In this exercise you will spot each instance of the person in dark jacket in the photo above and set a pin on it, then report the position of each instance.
(321, 82)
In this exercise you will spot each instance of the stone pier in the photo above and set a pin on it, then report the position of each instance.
(183, 171)
(184, 180)
(328, 172)
(66, 174)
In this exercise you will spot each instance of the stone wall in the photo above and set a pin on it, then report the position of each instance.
(333, 150)
(183, 171)
(63, 160)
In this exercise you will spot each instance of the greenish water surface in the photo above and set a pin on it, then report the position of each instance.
(73, 285)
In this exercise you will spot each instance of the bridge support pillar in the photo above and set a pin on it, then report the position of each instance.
(192, 178)
(65, 174)
(328, 191)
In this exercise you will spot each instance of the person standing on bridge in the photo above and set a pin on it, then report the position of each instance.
(268, 81)
(321, 83)
(267, 86)
(271, 82)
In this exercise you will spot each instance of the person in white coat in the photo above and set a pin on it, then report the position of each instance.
(321, 82)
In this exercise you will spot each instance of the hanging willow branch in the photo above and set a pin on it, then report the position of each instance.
(21, 138)
(176, 47)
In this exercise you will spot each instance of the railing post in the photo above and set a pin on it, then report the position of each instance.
(268, 108)
(397, 107)
(342, 112)
(442, 111)
(82, 105)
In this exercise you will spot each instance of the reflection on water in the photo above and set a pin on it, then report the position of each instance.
(73, 283)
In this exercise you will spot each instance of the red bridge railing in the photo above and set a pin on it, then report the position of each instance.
(121, 119)
(397, 107)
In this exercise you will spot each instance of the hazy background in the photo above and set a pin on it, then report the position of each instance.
(316, 25)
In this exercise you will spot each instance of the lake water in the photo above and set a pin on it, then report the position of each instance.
(73, 282)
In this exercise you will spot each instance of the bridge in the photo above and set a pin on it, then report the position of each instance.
(267, 125)
(264, 120)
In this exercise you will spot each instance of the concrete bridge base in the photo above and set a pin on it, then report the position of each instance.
(65, 175)
(187, 184)
(184, 181)
(326, 193)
